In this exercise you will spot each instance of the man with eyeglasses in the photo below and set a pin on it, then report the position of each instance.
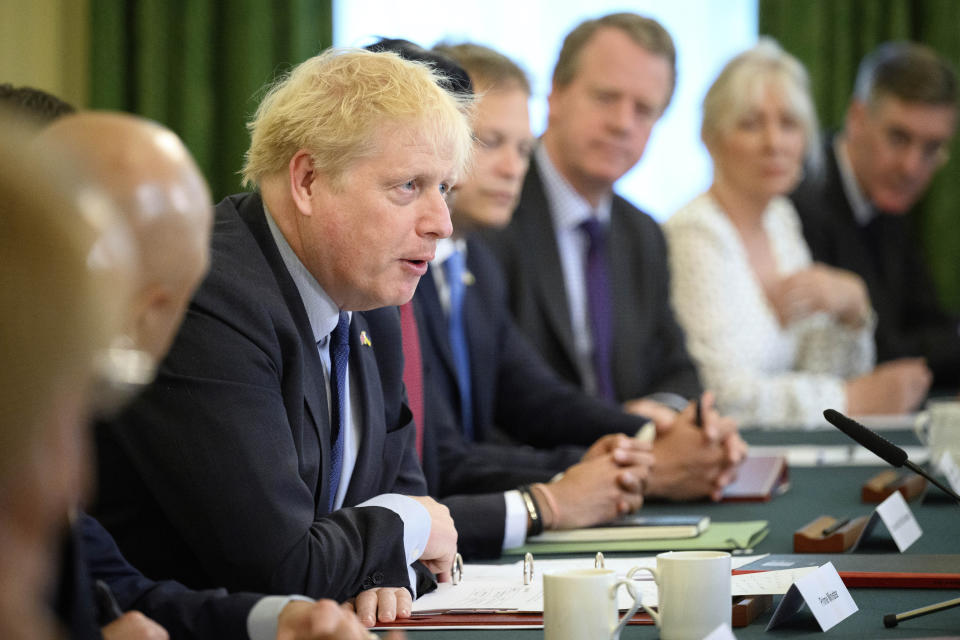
(897, 132)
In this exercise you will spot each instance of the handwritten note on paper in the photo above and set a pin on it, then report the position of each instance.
(493, 594)
(483, 594)
(898, 518)
(767, 582)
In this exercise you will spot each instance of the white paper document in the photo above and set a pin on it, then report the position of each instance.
(833, 455)
(487, 588)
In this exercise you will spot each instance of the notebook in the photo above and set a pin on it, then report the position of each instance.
(632, 527)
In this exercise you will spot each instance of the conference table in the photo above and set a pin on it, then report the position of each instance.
(814, 491)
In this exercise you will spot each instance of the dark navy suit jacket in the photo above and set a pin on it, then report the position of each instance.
(649, 347)
(513, 388)
(887, 255)
(186, 614)
(217, 474)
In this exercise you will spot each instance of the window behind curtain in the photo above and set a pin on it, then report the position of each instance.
(707, 33)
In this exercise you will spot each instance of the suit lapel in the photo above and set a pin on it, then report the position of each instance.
(482, 341)
(627, 293)
(434, 319)
(365, 374)
(537, 229)
(315, 388)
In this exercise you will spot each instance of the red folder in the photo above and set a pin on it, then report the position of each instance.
(881, 570)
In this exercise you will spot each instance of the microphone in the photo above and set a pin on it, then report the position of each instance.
(886, 450)
(897, 457)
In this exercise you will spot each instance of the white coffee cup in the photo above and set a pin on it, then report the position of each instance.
(582, 603)
(693, 589)
(939, 428)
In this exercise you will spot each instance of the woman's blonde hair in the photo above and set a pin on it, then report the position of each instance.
(740, 84)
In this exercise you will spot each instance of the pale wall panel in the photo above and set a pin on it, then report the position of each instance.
(43, 43)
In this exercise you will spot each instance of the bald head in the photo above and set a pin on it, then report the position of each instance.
(155, 183)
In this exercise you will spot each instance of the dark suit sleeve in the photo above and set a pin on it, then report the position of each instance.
(927, 329)
(184, 613)
(212, 442)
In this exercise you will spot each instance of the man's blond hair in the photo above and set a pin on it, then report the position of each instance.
(335, 104)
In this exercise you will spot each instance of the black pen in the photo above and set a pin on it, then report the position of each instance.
(836, 526)
(109, 608)
(698, 417)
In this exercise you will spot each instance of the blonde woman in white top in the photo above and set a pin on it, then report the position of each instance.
(778, 337)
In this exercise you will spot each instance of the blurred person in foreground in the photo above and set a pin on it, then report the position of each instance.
(587, 271)
(855, 214)
(778, 336)
(275, 451)
(159, 192)
(63, 289)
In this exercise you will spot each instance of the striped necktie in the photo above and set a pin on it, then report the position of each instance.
(339, 358)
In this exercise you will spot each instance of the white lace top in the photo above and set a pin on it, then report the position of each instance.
(762, 373)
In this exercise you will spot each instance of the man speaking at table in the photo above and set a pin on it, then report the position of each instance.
(270, 452)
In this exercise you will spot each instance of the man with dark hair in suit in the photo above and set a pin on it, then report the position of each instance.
(272, 451)
(34, 104)
(896, 135)
(587, 271)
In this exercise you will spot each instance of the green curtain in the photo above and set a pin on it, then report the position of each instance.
(830, 37)
(198, 66)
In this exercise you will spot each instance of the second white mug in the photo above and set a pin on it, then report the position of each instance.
(693, 593)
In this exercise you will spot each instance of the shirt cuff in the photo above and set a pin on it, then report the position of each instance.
(515, 524)
(416, 527)
(673, 400)
(262, 621)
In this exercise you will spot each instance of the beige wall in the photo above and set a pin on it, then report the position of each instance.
(44, 44)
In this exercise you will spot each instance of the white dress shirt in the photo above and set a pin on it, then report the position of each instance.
(863, 211)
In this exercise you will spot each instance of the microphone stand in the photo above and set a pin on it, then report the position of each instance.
(896, 457)
(891, 620)
(922, 472)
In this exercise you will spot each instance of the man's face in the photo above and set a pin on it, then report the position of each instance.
(602, 119)
(487, 197)
(896, 147)
(368, 240)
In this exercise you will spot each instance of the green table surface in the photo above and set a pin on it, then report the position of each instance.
(814, 491)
